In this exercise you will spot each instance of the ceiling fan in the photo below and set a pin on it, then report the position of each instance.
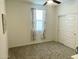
(51, 2)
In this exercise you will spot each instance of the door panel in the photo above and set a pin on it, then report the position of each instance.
(3, 36)
(68, 30)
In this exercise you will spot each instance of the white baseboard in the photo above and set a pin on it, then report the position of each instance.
(30, 43)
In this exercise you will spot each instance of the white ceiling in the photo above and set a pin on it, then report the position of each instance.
(35, 1)
(41, 2)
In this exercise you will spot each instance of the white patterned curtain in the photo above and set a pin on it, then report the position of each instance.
(38, 23)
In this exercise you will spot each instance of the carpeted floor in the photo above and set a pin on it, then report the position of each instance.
(49, 50)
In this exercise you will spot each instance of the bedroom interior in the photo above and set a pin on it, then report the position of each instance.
(39, 29)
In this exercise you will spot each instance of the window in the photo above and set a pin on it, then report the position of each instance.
(38, 19)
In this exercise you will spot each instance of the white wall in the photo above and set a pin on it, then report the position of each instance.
(19, 23)
(3, 37)
(68, 7)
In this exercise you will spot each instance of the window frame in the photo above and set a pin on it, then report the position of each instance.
(34, 20)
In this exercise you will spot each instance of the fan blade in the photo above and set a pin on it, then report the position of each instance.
(45, 3)
(58, 2)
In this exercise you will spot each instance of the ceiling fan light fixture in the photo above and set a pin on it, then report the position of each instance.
(50, 2)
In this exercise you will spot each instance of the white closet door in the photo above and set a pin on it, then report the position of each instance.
(3, 36)
(67, 32)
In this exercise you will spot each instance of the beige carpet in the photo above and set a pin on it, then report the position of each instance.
(49, 50)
